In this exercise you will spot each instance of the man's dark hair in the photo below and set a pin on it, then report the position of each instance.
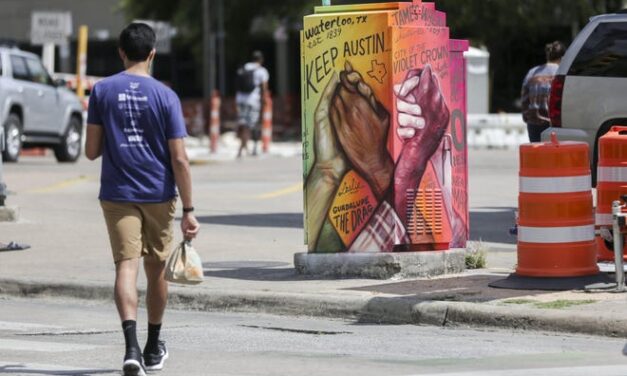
(554, 50)
(137, 40)
(257, 57)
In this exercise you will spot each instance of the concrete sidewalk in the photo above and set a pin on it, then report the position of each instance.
(252, 227)
(228, 145)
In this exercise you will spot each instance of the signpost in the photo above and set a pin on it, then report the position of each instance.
(50, 29)
(164, 33)
(81, 61)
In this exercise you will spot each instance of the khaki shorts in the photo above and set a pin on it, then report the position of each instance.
(139, 229)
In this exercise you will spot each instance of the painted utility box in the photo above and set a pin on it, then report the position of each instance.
(384, 147)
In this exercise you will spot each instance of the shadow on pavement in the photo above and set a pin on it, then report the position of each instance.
(272, 271)
(492, 224)
(273, 220)
(22, 369)
(253, 271)
(472, 289)
(257, 274)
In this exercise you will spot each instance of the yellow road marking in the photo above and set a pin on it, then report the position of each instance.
(281, 192)
(61, 185)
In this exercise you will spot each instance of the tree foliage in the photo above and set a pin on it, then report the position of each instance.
(513, 31)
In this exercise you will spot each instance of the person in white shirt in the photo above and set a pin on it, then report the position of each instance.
(252, 86)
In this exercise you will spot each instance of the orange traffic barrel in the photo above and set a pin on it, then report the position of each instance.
(266, 123)
(611, 184)
(214, 124)
(556, 218)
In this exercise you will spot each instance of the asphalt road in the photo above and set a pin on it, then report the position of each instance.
(52, 337)
(254, 204)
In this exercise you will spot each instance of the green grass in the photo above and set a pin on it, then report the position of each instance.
(561, 304)
(554, 304)
(519, 301)
(476, 255)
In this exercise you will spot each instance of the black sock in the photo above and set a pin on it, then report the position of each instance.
(130, 334)
(153, 338)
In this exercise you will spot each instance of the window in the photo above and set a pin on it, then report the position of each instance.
(18, 66)
(37, 72)
(604, 54)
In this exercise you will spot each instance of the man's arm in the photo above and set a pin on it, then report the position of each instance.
(265, 77)
(524, 97)
(182, 176)
(264, 92)
(93, 142)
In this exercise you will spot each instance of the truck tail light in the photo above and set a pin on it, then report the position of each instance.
(555, 100)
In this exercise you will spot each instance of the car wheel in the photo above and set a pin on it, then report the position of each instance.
(70, 147)
(12, 138)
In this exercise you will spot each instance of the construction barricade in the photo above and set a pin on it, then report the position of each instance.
(556, 220)
(214, 125)
(611, 185)
(266, 122)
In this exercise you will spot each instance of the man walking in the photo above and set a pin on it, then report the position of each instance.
(252, 86)
(136, 124)
(536, 89)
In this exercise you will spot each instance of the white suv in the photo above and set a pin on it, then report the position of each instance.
(35, 110)
(589, 93)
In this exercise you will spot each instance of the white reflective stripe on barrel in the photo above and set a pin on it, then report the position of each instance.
(555, 234)
(612, 174)
(555, 184)
(603, 219)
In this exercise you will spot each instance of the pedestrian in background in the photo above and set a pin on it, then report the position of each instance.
(536, 89)
(136, 124)
(252, 86)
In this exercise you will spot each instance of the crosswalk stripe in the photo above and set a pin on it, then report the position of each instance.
(24, 327)
(41, 346)
(48, 369)
(611, 370)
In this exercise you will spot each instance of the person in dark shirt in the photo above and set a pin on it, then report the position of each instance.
(536, 89)
(136, 124)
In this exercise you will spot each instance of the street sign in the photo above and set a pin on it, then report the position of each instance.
(50, 27)
(164, 33)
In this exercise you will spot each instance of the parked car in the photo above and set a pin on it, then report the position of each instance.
(36, 111)
(588, 95)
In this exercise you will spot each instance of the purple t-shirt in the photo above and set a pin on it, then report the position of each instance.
(138, 115)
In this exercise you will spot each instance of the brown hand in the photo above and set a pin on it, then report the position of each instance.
(362, 124)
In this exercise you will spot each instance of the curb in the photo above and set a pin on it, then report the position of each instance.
(9, 213)
(381, 265)
(379, 309)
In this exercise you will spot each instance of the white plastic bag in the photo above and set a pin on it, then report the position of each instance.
(184, 265)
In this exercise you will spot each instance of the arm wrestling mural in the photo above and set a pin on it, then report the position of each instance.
(352, 160)
(381, 167)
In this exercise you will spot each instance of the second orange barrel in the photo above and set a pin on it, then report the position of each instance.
(556, 217)
(611, 183)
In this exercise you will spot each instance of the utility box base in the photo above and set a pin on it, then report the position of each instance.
(9, 213)
(381, 265)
